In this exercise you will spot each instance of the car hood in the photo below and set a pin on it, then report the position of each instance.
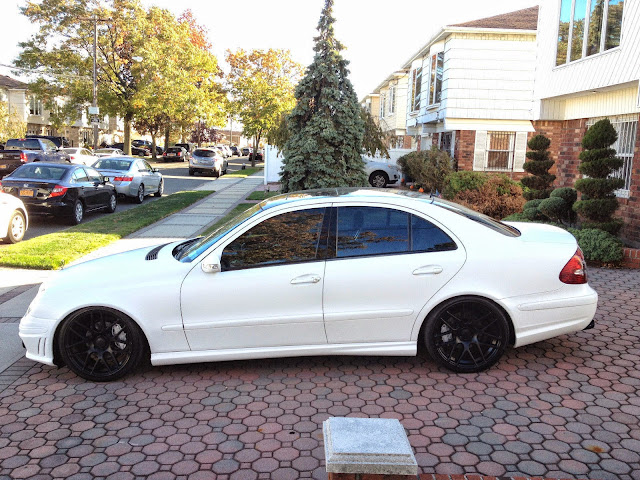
(541, 233)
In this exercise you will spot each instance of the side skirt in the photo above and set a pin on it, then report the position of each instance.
(403, 349)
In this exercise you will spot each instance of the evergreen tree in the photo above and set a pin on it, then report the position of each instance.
(539, 184)
(598, 162)
(325, 146)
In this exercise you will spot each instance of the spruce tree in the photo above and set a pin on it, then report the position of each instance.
(539, 184)
(325, 146)
(598, 161)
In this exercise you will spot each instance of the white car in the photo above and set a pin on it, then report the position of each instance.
(81, 156)
(381, 174)
(108, 152)
(332, 272)
(14, 219)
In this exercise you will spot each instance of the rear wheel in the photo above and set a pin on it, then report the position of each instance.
(78, 213)
(140, 196)
(101, 345)
(113, 203)
(17, 227)
(467, 334)
(191, 172)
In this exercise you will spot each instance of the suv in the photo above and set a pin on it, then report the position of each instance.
(58, 141)
(148, 145)
(381, 174)
(208, 160)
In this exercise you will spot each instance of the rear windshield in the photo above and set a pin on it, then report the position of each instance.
(174, 150)
(113, 164)
(39, 172)
(204, 153)
(485, 220)
(184, 145)
(27, 144)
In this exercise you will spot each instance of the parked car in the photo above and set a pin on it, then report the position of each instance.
(133, 177)
(138, 151)
(246, 151)
(175, 153)
(18, 151)
(108, 152)
(14, 219)
(189, 147)
(334, 271)
(259, 156)
(381, 174)
(62, 190)
(208, 160)
(222, 151)
(78, 155)
(58, 141)
(235, 151)
(227, 150)
(147, 144)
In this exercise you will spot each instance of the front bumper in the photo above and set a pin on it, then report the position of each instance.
(37, 336)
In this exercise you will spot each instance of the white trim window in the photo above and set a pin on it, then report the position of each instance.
(35, 106)
(626, 127)
(383, 101)
(392, 100)
(588, 27)
(416, 87)
(435, 78)
(499, 151)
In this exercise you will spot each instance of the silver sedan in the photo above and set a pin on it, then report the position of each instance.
(132, 177)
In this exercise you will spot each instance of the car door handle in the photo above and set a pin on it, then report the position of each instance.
(312, 278)
(428, 270)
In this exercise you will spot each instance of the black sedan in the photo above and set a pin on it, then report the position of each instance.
(139, 151)
(60, 190)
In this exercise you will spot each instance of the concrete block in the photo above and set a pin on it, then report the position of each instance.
(376, 446)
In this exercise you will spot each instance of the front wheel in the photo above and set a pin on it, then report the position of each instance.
(101, 345)
(467, 334)
(17, 227)
(378, 179)
(160, 189)
(140, 195)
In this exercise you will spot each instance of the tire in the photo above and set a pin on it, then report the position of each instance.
(216, 173)
(378, 179)
(191, 172)
(160, 189)
(101, 344)
(113, 203)
(467, 334)
(17, 227)
(78, 213)
(139, 198)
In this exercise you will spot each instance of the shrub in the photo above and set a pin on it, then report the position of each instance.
(538, 185)
(598, 245)
(428, 168)
(497, 197)
(554, 208)
(598, 162)
(460, 181)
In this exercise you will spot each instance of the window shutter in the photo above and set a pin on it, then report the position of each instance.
(480, 150)
(520, 151)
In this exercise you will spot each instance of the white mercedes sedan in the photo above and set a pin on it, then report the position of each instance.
(335, 272)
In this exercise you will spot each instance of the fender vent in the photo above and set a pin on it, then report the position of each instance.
(153, 254)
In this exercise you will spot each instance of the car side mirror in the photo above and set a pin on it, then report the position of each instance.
(155, 170)
(211, 264)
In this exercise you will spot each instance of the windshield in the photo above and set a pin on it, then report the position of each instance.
(113, 164)
(485, 220)
(195, 250)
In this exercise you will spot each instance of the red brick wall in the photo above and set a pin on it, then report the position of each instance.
(406, 141)
(463, 150)
(553, 131)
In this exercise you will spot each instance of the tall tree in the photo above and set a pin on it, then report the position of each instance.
(325, 147)
(261, 84)
(11, 125)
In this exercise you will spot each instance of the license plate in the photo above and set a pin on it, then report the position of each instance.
(26, 192)
(171, 154)
(3, 166)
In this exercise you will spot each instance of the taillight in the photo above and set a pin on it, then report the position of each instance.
(72, 157)
(164, 154)
(58, 191)
(23, 157)
(179, 154)
(123, 179)
(575, 271)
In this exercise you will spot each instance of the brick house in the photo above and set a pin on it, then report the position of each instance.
(588, 68)
(470, 91)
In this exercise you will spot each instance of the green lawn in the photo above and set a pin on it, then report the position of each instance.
(233, 213)
(243, 173)
(261, 195)
(53, 251)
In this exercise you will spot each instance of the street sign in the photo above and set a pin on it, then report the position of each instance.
(94, 110)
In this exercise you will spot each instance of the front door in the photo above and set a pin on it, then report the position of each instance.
(268, 292)
(388, 263)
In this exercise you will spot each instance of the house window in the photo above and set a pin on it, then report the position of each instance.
(416, 87)
(35, 106)
(626, 128)
(435, 78)
(392, 100)
(587, 27)
(500, 147)
(383, 99)
(446, 141)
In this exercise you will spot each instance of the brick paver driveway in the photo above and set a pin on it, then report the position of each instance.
(561, 408)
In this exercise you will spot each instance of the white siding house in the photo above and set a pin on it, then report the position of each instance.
(392, 108)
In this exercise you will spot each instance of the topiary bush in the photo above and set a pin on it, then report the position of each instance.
(539, 184)
(598, 162)
(427, 168)
(598, 245)
(497, 196)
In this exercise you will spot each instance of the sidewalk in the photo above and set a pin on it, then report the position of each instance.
(18, 287)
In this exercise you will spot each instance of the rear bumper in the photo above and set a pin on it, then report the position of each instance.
(58, 208)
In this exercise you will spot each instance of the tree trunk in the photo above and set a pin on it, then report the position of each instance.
(127, 133)
(153, 147)
(167, 132)
(256, 142)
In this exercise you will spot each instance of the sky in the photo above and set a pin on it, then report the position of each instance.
(379, 36)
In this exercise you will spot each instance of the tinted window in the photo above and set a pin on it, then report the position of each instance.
(29, 144)
(204, 153)
(113, 164)
(94, 176)
(174, 149)
(480, 218)
(290, 237)
(426, 237)
(39, 172)
(79, 176)
(371, 231)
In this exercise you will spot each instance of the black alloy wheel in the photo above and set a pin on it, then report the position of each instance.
(378, 179)
(467, 334)
(100, 345)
